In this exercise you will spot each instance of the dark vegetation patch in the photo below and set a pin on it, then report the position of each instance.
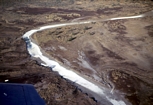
(133, 99)
(9, 69)
(92, 57)
(150, 30)
(117, 26)
(28, 22)
(9, 29)
(128, 63)
(26, 78)
(137, 91)
(72, 38)
(68, 17)
(91, 52)
(87, 27)
(124, 81)
(91, 33)
(124, 39)
(150, 34)
(109, 11)
(111, 53)
(36, 11)
(58, 32)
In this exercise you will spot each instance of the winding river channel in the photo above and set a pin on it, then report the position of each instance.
(101, 94)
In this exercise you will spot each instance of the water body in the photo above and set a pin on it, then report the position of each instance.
(101, 94)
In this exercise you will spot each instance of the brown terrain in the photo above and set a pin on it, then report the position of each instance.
(118, 54)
